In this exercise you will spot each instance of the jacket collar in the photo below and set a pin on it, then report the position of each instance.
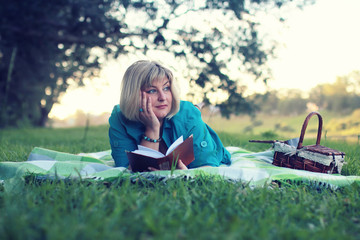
(133, 128)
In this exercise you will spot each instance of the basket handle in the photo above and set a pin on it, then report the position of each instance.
(307, 119)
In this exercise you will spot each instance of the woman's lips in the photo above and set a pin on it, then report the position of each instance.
(161, 106)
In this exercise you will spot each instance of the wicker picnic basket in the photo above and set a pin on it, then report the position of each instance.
(315, 158)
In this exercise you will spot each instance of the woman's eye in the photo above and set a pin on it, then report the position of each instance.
(167, 88)
(151, 91)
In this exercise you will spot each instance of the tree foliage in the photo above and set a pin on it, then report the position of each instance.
(287, 103)
(47, 45)
(342, 97)
(50, 43)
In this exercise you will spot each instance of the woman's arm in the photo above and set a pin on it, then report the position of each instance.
(151, 122)
(120, 140)
(208, 148)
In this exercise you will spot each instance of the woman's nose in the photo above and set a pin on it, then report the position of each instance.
(161, 96)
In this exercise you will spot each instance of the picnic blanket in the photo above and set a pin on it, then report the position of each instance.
(255, 169)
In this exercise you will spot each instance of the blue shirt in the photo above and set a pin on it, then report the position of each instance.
(208, 149)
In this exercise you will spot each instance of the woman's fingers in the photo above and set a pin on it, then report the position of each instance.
(143, 101)
(147, 116)
(153, 169)
(146, 104)
(181, 165)
(149, 106)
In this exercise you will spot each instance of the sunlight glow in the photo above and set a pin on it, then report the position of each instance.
(320, 43)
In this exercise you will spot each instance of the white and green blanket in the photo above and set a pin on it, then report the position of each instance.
(253, 168)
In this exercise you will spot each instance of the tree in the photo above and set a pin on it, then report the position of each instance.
(342, 96)
(293, 103)
(47, 45)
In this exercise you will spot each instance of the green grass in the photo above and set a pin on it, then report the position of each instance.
(335, 127)
(201, 208)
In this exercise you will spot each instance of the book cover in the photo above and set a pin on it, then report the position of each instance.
(143, 158)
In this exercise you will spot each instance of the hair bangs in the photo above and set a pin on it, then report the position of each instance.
(156, 73)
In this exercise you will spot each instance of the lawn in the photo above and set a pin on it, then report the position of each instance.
(335, 127)
(201, 208)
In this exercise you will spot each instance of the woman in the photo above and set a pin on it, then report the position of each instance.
(151, 114)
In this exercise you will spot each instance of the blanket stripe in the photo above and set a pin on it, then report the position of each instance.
(253, 168)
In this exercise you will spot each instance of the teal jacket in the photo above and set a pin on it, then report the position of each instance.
(125, 135)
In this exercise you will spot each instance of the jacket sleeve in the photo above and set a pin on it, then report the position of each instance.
(208, 149)
(120, 141)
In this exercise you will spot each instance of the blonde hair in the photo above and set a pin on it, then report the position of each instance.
(139, 75)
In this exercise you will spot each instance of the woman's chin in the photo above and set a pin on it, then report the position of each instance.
(161, 116)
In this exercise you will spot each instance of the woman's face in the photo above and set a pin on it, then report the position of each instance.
(160, 97)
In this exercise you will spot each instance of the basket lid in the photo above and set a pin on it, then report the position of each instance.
(323, 150)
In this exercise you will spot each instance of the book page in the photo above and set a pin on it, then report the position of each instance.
(148, 152)
(175, 144)
(156, 154)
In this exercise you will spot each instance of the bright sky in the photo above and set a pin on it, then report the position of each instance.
(322, 42)
(318, 44)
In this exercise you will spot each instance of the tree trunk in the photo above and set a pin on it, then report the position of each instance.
(44, 113)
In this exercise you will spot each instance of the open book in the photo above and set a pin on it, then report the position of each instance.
(143, 158)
